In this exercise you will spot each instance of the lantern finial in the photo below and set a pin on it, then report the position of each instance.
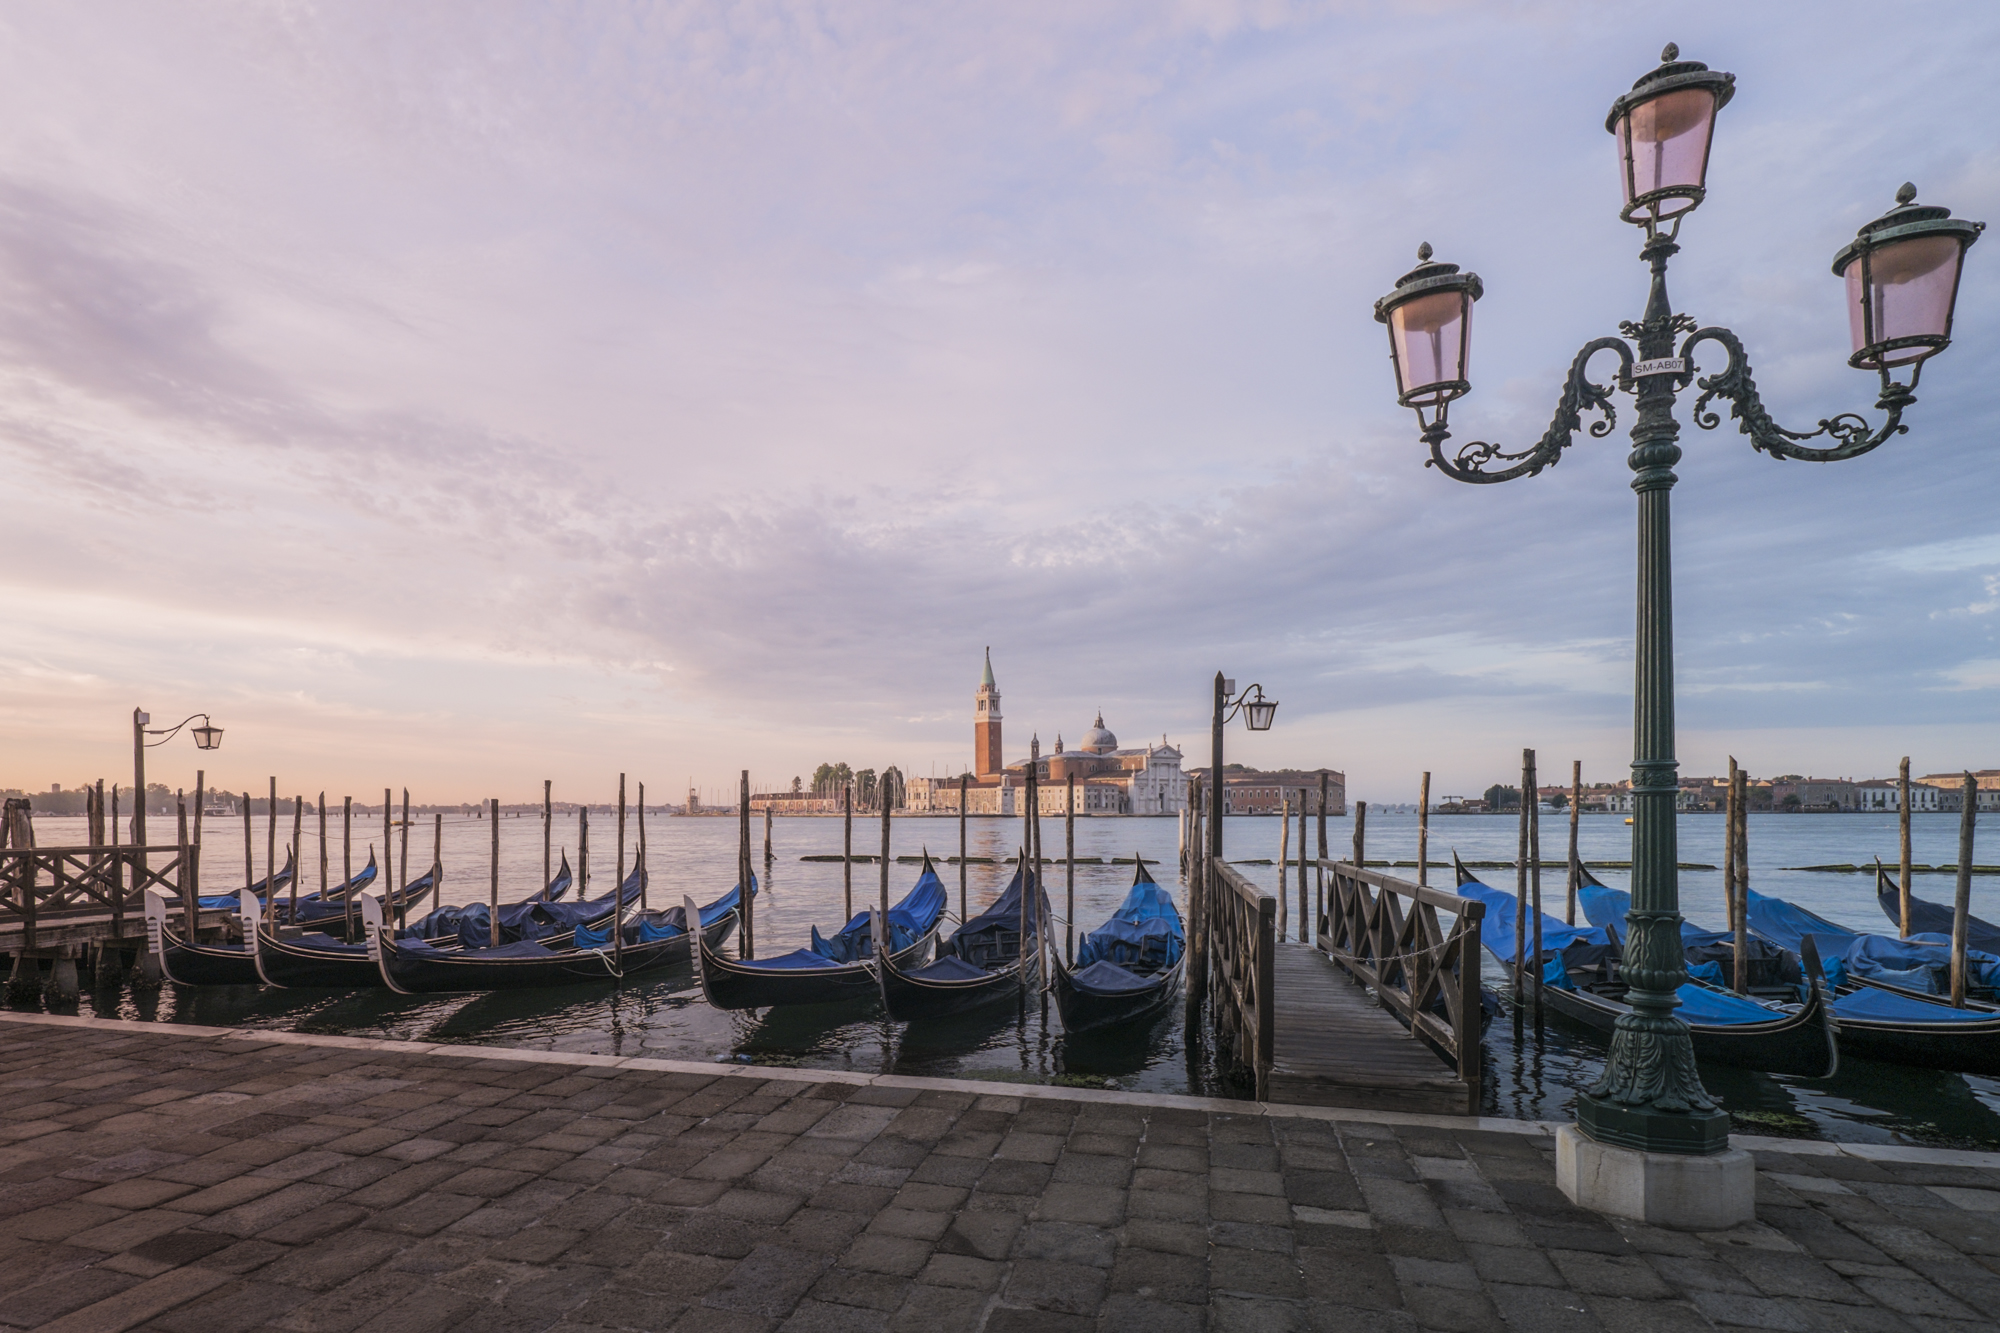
(1670, 53)
(1907, 194)
(1424, 252)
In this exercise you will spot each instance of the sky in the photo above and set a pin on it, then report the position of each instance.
(459, 395)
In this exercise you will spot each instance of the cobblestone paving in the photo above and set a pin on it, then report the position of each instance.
(203, 1185)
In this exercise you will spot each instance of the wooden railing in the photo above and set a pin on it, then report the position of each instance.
(54, 886)
(1385, 932)
(1240, 941)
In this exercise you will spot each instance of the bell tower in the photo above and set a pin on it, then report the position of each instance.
(986, 760)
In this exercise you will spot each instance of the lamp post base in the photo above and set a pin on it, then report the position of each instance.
(1700, 1133)
(1683, 1191)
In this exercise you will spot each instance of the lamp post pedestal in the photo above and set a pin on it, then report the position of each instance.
(1684, 1191)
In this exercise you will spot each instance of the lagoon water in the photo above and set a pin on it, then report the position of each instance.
(1529, 1075)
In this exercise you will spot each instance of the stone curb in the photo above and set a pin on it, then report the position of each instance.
(1873, 1152)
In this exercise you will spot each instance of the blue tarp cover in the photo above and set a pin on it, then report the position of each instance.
(1107, 977)
(1143, 934)
(1720, 1008)
(909, 921)
(950, 967)
(1607, 907)
(1935, 919)
(1880, 1004)
(791, 962)
(1920, 963)
(1496, 932)
(1003, 915)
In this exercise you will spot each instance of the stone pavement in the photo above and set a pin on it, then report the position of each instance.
(193, 1182)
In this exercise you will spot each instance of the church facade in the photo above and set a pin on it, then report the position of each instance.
(1110, 779)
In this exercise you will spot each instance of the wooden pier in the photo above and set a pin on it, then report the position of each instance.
(1351, 1019)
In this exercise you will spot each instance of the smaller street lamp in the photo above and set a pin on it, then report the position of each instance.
(1257, 715)
(207, 736)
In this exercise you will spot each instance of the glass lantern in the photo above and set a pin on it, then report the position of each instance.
(1902, 282)
(1430, 331)
(207, 736)
(1664, 127)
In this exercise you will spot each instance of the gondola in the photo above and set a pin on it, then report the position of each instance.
(1580, 982)
(654, 941)
(199, 962)
(1129, 968)
(1928, 918)
(831, 969)
(314, 958)
(1886, 1001)
(982, 964)
(1775, 973)
(338, 903)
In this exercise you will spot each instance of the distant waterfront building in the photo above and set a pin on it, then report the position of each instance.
(1249, 791)
(1137, 780)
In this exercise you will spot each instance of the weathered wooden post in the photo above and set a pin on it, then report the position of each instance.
(347, 867)
(1521, 890)
(1741, 925)
(1069, 871)
(1961, 902)
(847, 853)
(767, 830)
(646, 873)
(583, 856)
(1031, 867)
(1903, 866)
(1360, 834)
(1319, 876)
(964, 785)
(548, 831)
(1531, 799)
(1424, 829)
(1284, 862)
(139, 720)
(493, 882)
(1573, 877)
(322, 844)
(1198, 895)
(748, 938)
(621, 846)
(388, 867)
(882, 795)
(1306, 932)
(189, 906)
(271, 854)
(298, 850)
(1729, 866)
(403, 861)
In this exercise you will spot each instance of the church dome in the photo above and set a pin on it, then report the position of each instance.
(1099, 740)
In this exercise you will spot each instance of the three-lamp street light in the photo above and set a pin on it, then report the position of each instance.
(1902, 273)
(1257, 714)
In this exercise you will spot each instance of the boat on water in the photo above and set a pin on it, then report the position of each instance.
(314, 958)
(1887, 991)
(1129, 968)
(1580, 969)
(1931, 918)
(652, 941)
(983, 963)
(226, 902)
(234, 962)
(834, 968)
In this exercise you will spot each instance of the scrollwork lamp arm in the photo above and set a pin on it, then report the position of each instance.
(1856, 437)
(168, 733)
(1579, 395)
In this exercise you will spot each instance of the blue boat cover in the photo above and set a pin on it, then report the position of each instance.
(1143, 934)
(1919, 963)
(226, 902)
(1868, 1003)
(315, 910)
(535, 918)
(790, 962)
(1002, 918)
(1496, 932)
(1721, 1008)
(1107, 978)
(909, 921)
(950, 967)
(1606, 907)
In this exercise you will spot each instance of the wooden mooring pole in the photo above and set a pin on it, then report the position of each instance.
(1319, 877)
(964, 785)
(1531, 794)
(298, 850)
(1305, 920)
(882, 795)
(1521, 889)
(645, 872)
(619, 907)
(847, 854)
(403, 862)
(493, 881)
(1961, 901)
(1903, 840)
(1572, 873)
(1069, 872)
(347, 867)
(1424, 829)
(748, 937)
(1729, 867)
(1741, 925)
(1284, 864)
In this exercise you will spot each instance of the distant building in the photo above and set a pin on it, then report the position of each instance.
(1815, 794)
(1249, 791)
(1110, 780)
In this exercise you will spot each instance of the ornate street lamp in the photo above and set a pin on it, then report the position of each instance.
(1902, 280)
(207, 736)
(1257, 715)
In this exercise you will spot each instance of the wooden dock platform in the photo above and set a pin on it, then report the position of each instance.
(1333, 1044)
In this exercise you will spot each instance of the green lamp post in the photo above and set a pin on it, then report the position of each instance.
(1902, 274)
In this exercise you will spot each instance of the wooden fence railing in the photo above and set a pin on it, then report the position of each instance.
(1240, 945)
(1385, 932)
(52, 886)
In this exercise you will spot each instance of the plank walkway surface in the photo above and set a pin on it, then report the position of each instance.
(170, 1181)
(1333, 1045)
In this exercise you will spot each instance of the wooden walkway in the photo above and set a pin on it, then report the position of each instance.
(1335, 1045)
